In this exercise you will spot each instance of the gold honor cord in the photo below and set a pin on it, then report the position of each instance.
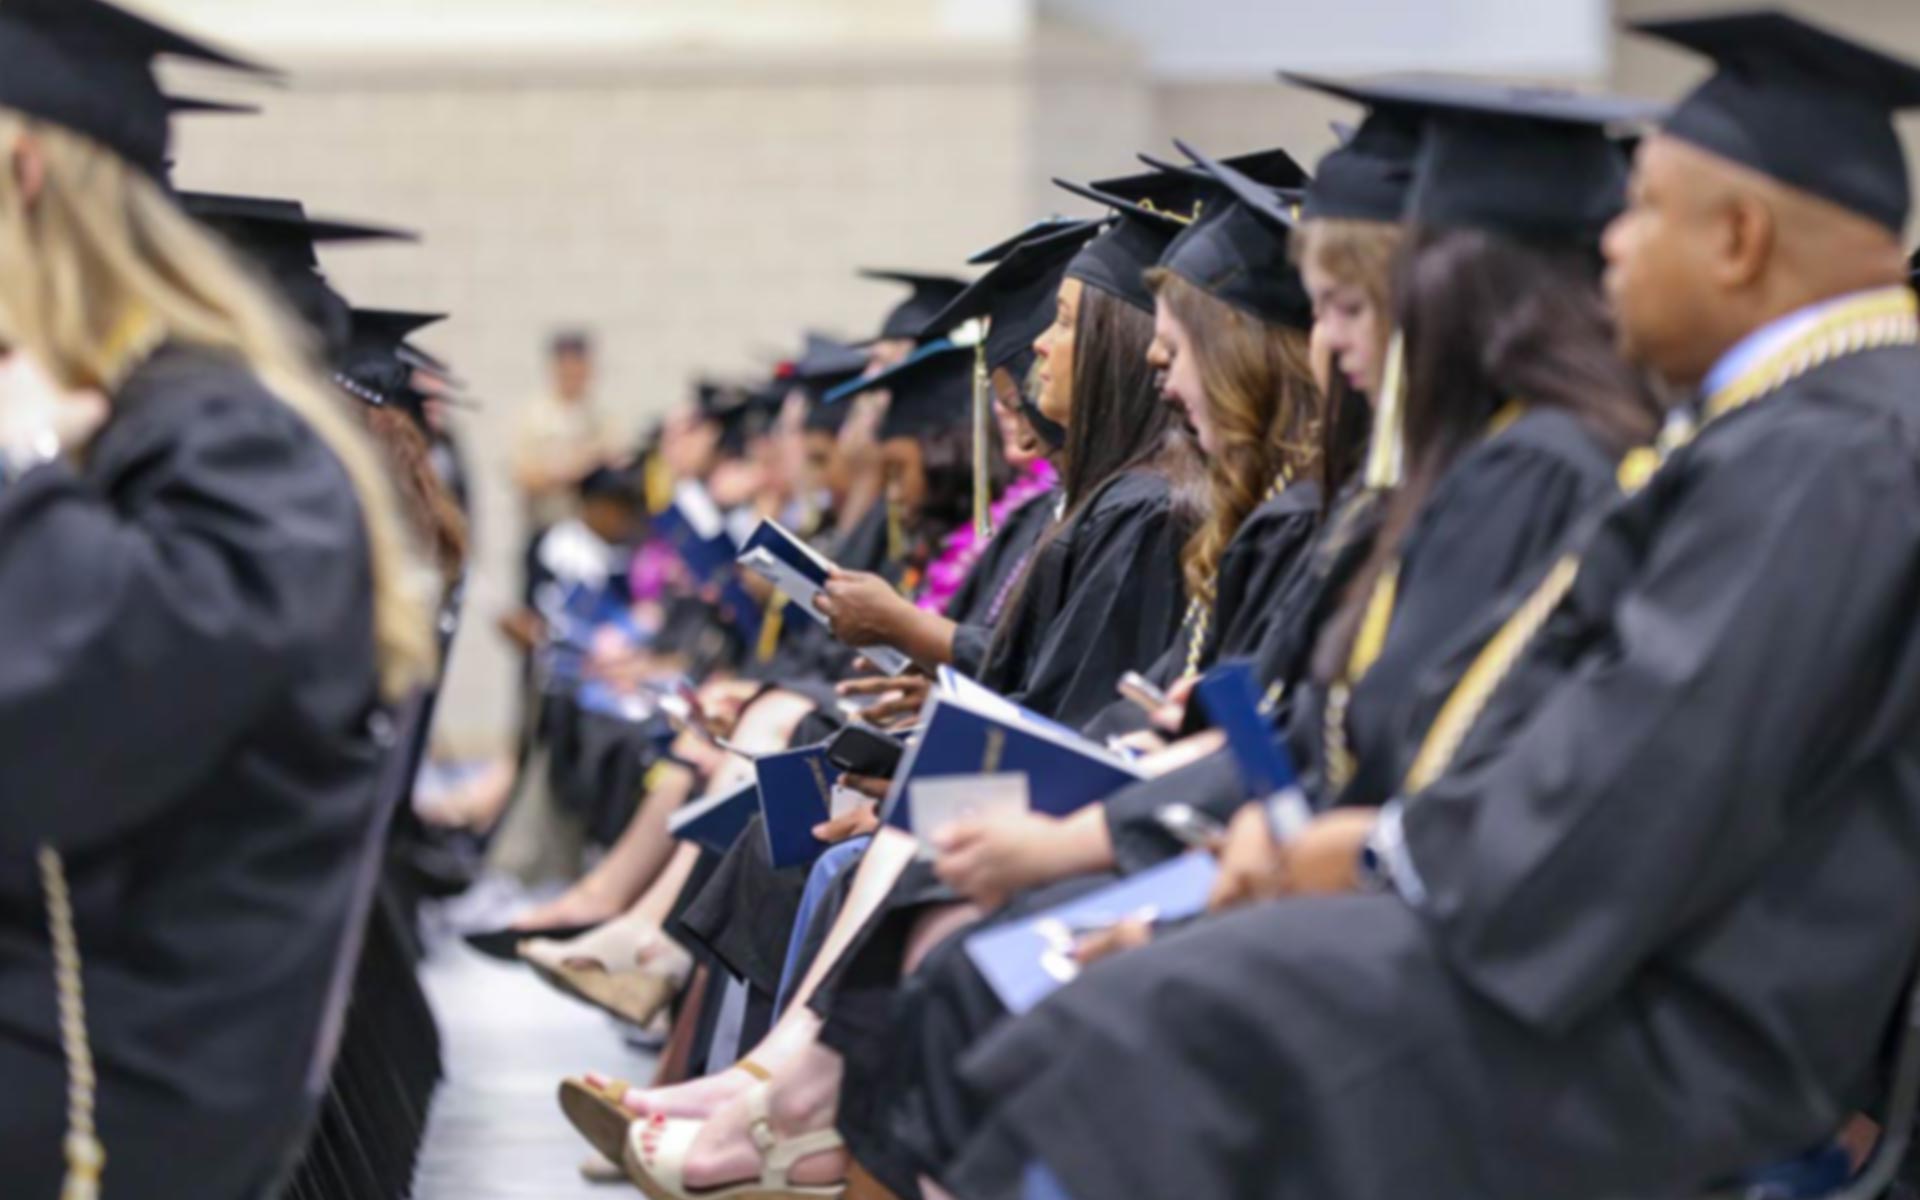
(86, 1157)
(996, 746)
(1888, 317)
(1199, 618)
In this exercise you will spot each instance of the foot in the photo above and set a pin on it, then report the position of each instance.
(618, 945)
(724, 1152)
(696, 1099)
(581, 904)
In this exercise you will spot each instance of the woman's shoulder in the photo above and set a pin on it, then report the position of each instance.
(1136, 491)
(1547, 437)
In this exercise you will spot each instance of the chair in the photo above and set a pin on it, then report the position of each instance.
(1813, 1175)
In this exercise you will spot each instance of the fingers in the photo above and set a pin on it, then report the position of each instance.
(876, 685)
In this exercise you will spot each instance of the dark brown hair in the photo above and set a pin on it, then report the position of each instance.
(1487, 320)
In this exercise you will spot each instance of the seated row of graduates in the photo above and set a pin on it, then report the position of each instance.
(1610, 742)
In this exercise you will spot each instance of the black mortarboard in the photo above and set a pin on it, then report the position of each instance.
(195, 106)
(1532, 163)
(1274, 168)
(279, 238)
(88, 66)
(1017, 295)
(1150, 210)
(930, 294)
(1367, 176)
(1798, 104)
(930, 390)
(1000, 249)
(823, 365)
(1239, 256)
(372, 367)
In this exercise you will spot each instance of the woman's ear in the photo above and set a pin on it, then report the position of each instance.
(29, 168)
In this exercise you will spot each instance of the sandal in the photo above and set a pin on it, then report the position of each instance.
(600, 1113)
(656, 1158)
(504, 944)
(598, 968)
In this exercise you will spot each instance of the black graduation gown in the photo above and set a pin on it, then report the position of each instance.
(1672, 884)
(1250, 589)
(976, 606)
(185, 693)
(1103, 597)
(1494, 522)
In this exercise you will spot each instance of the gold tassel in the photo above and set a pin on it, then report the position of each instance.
(982, 485)
(657, 484)
(1386, 449)
(86, 1156)
(771, 624)
(896, 530)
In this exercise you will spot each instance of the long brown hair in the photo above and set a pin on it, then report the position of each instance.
(1265, 410)
(1118, 424)
(1488, 320)
(426, 504)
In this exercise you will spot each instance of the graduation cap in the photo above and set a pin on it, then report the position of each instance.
(1149, 211)
(824, 364)
(1237, 252)
(1799, 104)
(1274, 168)
(1000, 249)
(929, 294)
(87, 65)
(278, 237)
(1367, 176)
(1017, 295)
(1532, 163)
(930, 390)
(372, 368)
(195, 106)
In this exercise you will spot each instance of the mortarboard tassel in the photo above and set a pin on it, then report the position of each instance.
(1386, 449)
(982, 486)
(86, 1157)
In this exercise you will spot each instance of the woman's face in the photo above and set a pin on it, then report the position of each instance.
(905, 473)
(1018, 443)
(1177, 370)
(1347, 326)
(1054, 348)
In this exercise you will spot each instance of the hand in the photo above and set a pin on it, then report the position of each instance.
(524, 628)
(1117, 938)
(1182, 753)
(1172, 716)
(854, 822)
(863, 609)
(1324, 859)
(867, 785)
(988, 859)
(1143, 742)
(901, 697)
(1251, 865)
(35, 406)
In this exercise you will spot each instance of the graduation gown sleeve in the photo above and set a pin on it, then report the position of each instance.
(1636, 794)
(148, 625)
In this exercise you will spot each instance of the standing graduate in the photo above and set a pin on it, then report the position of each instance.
(1646, 903)
(205, 601)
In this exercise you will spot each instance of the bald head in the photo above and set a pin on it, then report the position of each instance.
(1708, 251)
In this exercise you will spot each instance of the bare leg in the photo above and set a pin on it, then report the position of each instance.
(618, 879)
(803, 1095)
(797, 1029)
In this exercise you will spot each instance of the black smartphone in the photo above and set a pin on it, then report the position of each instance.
(859, 750)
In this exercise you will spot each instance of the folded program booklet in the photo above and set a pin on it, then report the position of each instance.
(967, 730)
(717, 819)
(1026, 960)
(800, 572)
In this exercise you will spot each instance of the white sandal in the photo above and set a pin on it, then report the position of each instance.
(656, 1158)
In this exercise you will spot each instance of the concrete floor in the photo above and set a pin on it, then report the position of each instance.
(496, 1132)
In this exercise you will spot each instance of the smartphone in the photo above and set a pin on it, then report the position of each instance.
(859, 750)
(1189, 826)
(1139, 689)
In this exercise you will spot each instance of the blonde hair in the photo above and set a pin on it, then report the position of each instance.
(1358, 253)
(101, 253)
(1265, 409)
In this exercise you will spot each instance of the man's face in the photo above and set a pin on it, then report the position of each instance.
(572, 373)
(1660, 274)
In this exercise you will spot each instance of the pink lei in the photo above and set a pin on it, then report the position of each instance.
(963, 547)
